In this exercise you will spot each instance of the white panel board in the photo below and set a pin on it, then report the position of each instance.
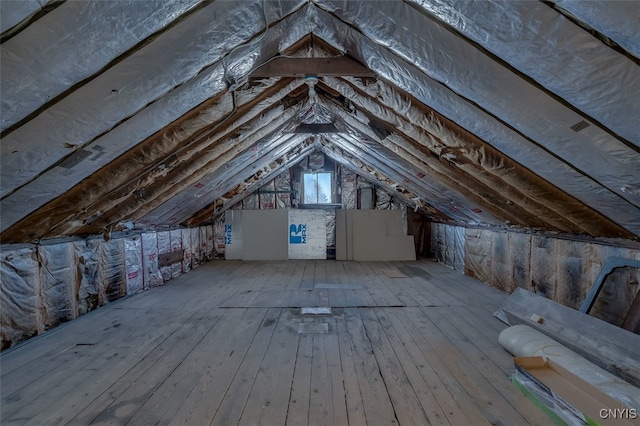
(233, 234)
(307, 234)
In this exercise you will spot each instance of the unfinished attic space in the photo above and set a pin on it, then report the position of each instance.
(320, 212)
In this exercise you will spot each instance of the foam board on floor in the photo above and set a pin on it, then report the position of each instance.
(233, 234)
(264, 234)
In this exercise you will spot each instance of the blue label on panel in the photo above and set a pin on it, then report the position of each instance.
(298, 234)
(227, 234)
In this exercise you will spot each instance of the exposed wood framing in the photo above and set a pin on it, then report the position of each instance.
(473, 153)
(300, 67)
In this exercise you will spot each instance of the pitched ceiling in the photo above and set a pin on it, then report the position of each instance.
(165, 113)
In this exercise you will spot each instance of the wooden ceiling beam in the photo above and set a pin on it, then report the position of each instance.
(300, 67)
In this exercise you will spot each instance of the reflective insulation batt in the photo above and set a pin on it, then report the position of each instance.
(420, 82)
(148, 103)
(151, 273)
(20, 296)
(210, 243)
(267, 196)
(176, 247)
(568, 44)
(283, 190)
(58, 281)
(196, 254)
(87, 258)
(164, 247)
(204, 252)
(560, 269)
(186, 247)
(331, 228)
(349, 189)
(218, 236)
(112, 266)
(133, 264)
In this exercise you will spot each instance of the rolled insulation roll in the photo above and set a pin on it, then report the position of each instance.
(522, 340)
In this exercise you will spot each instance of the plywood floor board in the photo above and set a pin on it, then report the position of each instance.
(226, 344)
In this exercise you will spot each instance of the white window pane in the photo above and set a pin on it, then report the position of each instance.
(324, 187)
(310, 190)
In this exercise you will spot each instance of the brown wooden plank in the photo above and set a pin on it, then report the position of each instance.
(268, 401)
(298, 413)
(233, 403)
(403, 396)
(178, 385)
(209, 391)
(375, 398)
(448, 393)
(348, 360)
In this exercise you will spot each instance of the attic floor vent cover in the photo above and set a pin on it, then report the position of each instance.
(580, 125)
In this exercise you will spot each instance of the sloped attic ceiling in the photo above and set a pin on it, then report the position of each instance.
(162, 113)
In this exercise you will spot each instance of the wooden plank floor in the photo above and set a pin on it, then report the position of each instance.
(226, 344)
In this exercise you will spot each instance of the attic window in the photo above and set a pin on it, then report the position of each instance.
(316, 188)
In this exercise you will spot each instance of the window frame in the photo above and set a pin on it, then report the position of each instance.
(304, 187)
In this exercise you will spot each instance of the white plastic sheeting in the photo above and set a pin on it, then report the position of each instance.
(186, 247)
(87, 259)
(133, 264)
(19, 294)
(113, 270)
(45, 285)
(196, 251)
(560, 269)
(58, 280)
(176, 246)
(151, 274)
(164, 247)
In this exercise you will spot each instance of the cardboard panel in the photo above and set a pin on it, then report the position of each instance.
(371, 238)
(265, 234)
(307, 234)
(233, 234)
